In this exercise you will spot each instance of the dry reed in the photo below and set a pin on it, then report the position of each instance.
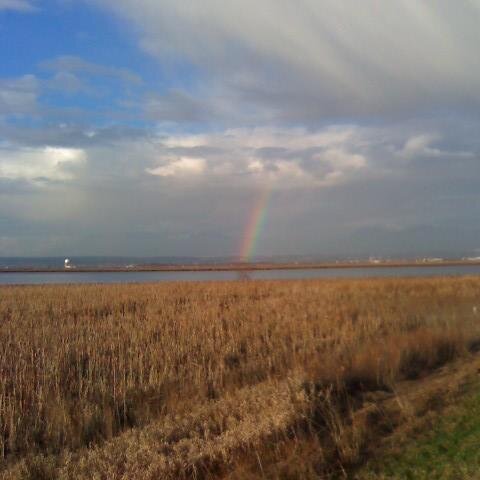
(189, 370)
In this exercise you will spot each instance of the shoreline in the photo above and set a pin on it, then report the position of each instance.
(235, 267)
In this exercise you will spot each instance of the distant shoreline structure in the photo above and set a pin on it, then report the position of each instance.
(246, 266)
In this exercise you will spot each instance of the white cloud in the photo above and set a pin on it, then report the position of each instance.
(422, 146)
(343, 159)
(38, 164)
(180, 167)
(281, 156)
(17, 5)
(419, 144)
(255, 166)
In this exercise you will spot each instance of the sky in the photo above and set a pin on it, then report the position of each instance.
(245, 128)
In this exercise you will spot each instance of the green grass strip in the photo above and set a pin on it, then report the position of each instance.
(449, 450)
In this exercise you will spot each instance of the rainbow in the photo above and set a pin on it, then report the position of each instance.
(254, 225)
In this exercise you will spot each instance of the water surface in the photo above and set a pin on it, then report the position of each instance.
(26, 278)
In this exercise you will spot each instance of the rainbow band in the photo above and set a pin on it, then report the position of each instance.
(254, 225)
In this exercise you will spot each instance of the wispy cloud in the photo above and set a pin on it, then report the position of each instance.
(18, 96)
(24, 6)
(73, 64)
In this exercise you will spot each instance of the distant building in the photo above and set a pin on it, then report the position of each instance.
(67, 263)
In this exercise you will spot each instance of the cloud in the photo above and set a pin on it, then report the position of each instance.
(18, 96)
(285, 158)
(69, 64)
(182, 192)
(178, 106)
(314, 59)
(420, 146)
(180, 167)
(17, 5)
(68, 83)
(40, 164)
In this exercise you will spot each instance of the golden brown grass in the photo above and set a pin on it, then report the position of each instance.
(184, 379)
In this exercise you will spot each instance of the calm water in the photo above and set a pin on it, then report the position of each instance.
(138, 277)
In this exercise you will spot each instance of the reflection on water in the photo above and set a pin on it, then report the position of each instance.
(135, 277)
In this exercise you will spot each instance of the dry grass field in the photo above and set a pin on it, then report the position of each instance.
(209, 380)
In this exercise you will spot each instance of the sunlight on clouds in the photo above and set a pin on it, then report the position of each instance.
(182, 167)
(255, 166)
(283, 157)
(40, 164)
